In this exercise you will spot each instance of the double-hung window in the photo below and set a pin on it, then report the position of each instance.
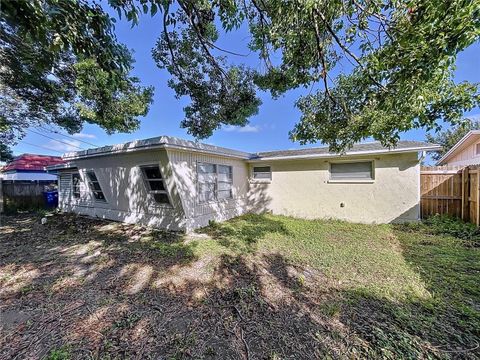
(95, 186)
(215, 182)
(76, 180)
(155, 183)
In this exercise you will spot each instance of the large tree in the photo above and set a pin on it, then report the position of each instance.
(371, 68)
(401, 56)
(449, 137)
(61, 64)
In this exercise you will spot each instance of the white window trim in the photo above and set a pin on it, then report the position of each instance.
(252, 175)
(151, 192)
(215, 191)
(100, 201)
(72, 186)
(351, 181)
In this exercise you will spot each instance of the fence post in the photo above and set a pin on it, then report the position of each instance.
(465, 192)
(1, 196)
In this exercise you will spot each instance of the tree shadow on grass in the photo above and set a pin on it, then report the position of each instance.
(243, 233)
(143, 305)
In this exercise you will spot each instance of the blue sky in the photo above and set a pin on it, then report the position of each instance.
(267, 131)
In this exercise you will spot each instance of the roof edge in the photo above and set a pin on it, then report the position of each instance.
(348, 153)
(457, 145)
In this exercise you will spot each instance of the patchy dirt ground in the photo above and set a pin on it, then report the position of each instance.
(82, 288)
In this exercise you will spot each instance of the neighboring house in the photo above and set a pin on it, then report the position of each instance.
(30, 167)
(182, 185)
(465, 152)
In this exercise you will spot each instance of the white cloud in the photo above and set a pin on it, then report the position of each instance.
(242, 129)
(65, 146)
(84, 136)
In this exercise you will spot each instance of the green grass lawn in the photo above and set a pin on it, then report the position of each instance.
(421, 291)
(257, 286)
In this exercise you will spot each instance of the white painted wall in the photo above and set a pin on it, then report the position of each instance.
(28, 176)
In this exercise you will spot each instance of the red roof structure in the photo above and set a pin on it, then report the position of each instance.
(32, 162)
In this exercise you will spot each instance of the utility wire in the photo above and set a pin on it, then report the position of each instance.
(40, 146)
(67, 136)
(60, 141)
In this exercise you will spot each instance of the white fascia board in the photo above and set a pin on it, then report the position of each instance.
(350, 154)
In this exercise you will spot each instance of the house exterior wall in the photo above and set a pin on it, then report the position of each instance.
(466, 155)
(27, 175)
(126, 195)
(301, 188)
(184, 168)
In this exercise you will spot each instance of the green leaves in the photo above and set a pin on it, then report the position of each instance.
(62, 65)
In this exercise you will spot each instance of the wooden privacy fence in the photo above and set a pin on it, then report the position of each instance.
(23, 195)
(450, 191)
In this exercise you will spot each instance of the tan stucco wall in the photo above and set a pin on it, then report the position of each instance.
(301, 188)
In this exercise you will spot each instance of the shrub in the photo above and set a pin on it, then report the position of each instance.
(442, 224)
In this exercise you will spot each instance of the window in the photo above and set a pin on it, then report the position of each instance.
(215, 182)
(155, 184)
(76, 180)
(225, 182)
(477, 149)
(351, 170)
(262, 172)
(95, 186)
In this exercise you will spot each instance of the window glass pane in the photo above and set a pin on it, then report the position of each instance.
(224, 169)
(98, 195)
(161, 198)
(152, 172)
(262, 175)
(225, 177)
(261, 169)
(206, 192)
(76, 185)
(477, 147)
(224, 194)
(224, 186)
(206, 168)
(351, 171)
(156, 185)
(205, 178)
(91, 175)
(96, 186)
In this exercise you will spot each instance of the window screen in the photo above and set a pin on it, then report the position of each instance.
(262, 172)
(351, 171)
(215, 182)
(76, 180)
(155, 183)
(95, 186)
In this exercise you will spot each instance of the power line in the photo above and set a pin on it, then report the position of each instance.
(60, 141)
(67, 136)
(40, 146)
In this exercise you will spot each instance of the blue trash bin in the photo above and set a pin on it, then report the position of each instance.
(51, 198)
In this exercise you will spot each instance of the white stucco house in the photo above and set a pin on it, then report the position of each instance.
(181, 185)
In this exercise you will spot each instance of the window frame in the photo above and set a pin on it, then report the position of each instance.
(353, 180)
(252, 174)
(72, 185)
(217, 181)
(91, 187)
(477, 148)
(148, 188)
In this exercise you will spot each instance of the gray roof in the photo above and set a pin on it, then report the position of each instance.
(363, 148)
(176, 143)
(157, 142)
